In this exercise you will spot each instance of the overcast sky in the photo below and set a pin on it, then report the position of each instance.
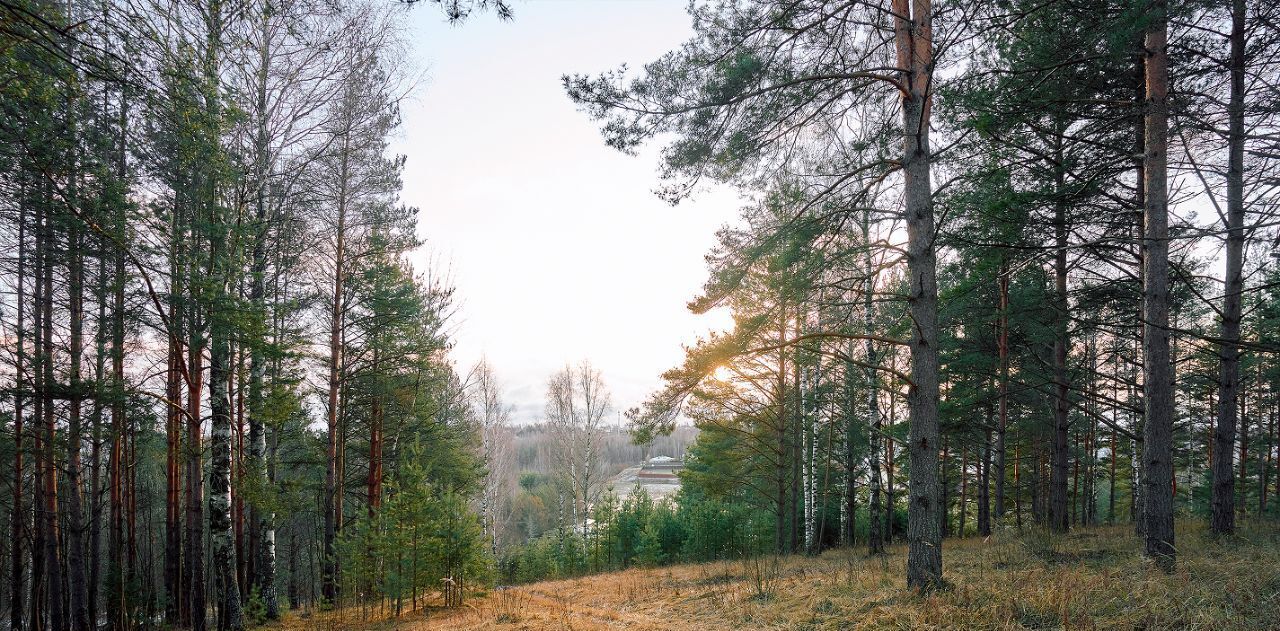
(556, 243)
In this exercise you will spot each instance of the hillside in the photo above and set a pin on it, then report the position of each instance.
(1089, 579)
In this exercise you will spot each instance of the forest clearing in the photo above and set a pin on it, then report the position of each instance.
(1088, 580)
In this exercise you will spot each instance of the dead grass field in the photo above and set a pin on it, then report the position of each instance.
(1091, 579)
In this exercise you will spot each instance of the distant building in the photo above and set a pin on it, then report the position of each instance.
(658, 476)
(660, 470)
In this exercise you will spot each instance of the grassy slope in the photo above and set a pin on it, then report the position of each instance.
(1090, 579)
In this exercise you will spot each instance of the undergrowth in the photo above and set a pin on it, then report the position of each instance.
(1090, 579)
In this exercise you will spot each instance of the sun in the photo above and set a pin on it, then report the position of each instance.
(722, 373)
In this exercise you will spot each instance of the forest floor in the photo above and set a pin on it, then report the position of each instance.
(1091, 579)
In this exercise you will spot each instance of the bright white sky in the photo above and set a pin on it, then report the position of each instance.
(558, 247)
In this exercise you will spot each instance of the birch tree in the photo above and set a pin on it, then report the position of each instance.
(497, 452)
(577, 403)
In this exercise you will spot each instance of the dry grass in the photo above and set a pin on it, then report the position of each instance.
(1093, 579)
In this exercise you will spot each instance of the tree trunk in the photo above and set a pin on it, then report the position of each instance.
(847, 518)
(796, 422)
(875, 541)
(53, 536)
(1002, 346)
(888, 463)
(984, 486)
(173, 577)
(18, 518)
(1157, 382)
(1075, 482)
(1037, 516)
(37, 609)
(1140, 204)
(218, 305)
(332, 490)
(1111, 487)
(375, 445)
(946, 490)
(77, 579)
(1264, 476)
(914, 39)
(262, 520)
(1017, 484)
(195, 603)
(220, 524)
(780, 466)
(964, 488)
(1278, 461)
(813, 375)
(1058, 515)
(1091, 443)
(243, 537)
(1242, 478)
(117, 605)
